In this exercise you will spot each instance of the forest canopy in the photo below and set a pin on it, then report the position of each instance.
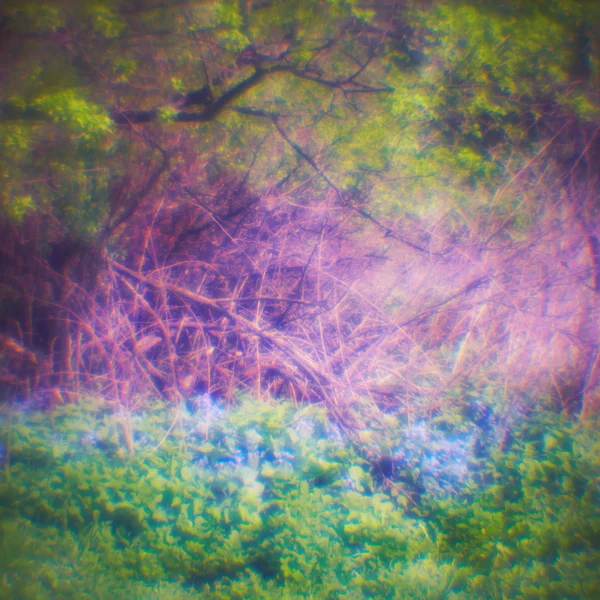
(377, 206)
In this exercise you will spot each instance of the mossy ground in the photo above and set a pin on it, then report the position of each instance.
(272, 502)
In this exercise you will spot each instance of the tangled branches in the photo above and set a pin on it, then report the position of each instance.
(208, 289)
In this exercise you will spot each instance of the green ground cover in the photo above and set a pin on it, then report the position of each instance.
(273, 502)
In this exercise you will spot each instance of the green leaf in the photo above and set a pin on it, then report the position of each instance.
(187, 474)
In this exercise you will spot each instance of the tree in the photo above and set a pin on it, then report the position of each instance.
(329, 200)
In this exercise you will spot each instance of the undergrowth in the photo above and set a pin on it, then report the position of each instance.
(273, 502)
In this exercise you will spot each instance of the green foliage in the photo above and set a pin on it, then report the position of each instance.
(18, 207)
(272, 503)
(536, 520)
(457, 96)
(82, 117)
(167, 114)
